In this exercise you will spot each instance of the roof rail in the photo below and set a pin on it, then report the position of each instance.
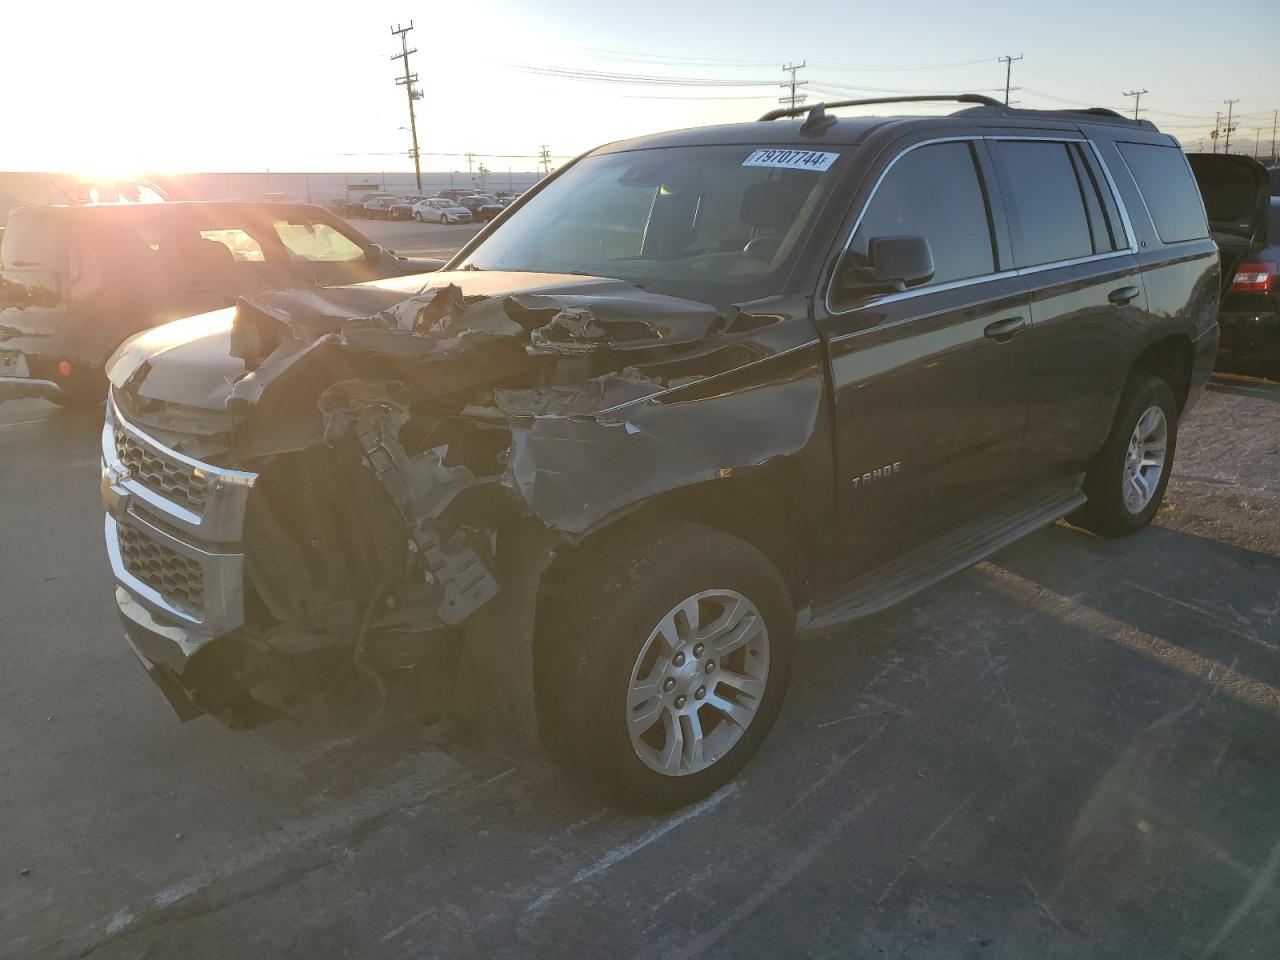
(781, 112)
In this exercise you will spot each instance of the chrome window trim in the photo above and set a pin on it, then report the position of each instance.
(956, 284)
(1131, 249)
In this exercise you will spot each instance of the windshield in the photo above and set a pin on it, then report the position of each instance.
(721, 224)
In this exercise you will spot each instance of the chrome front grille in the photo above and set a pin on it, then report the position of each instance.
(179, 579)
(174, 528)
(168, 478)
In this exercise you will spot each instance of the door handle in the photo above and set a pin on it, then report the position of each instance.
(1003, 330)
(1123, 295)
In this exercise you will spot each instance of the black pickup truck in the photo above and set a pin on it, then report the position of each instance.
(695, 396)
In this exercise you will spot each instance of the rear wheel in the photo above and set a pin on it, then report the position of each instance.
(1125, 483)
(666, 664)
(417, 215)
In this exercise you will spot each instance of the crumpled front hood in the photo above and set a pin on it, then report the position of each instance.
(186, 361)
(200, 361)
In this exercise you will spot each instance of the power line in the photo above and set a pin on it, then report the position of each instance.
(838, 89)
(609, 76)
(408, 81)
(874, 68)
(793, 99)
(1008, 73)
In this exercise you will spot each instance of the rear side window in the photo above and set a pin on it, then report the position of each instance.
(1167, 188)
(32, 241)
(33, 255)
(1043, 195)
(237, 241)
(934, 192)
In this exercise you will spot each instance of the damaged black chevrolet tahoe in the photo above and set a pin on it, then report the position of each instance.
(697, 395)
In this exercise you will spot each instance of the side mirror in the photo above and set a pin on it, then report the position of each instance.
(892, 264)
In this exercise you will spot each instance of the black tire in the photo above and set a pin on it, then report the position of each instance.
(1106, 513)
(598, 630)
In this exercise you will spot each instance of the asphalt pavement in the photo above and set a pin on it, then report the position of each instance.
(1069, 751)
(411, 239)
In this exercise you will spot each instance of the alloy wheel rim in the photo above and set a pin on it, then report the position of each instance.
(1145, 459)
(698, 682)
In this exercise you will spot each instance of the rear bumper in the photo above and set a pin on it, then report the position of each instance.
(17, 388)
(1249, 336)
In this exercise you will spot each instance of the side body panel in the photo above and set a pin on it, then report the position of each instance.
(930, 411)
(1181, 280)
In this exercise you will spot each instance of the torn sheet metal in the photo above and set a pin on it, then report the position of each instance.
(574, 473)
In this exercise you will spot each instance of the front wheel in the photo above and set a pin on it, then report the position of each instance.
(1125, 483)
(665, 665)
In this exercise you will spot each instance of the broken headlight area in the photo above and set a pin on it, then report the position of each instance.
(420, 460)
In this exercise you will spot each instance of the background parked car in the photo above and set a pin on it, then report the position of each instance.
(440, 210)
(349, 208)
(1245, 224)
(1250, 315)
(75, 281)
(402, 208)
(474, 202)
(378, 207)
(491, 210)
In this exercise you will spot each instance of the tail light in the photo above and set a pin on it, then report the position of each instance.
(1255, 277)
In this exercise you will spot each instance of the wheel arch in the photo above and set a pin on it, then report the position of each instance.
(743, 507)
(1170, 359)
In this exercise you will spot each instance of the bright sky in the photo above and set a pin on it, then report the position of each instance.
(116, 87)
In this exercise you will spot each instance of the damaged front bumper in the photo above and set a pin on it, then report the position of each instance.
(174, 528)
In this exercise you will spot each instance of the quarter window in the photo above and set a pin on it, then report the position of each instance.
(934, 192)
(1043, 197)
(1170, 193)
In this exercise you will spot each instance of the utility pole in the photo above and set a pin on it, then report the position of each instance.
(1226, 147)
(1008, 74)
(1217, 126)
(1137, 99)
(793, 99)
(1257, 141)
(412, 92)
(1274, 114)
(545, 156)
(470, 157)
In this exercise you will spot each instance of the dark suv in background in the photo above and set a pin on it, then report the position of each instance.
(693, 396)
(75, 281)
(1245, 223)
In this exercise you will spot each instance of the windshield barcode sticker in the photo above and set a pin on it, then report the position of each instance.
(791, 159)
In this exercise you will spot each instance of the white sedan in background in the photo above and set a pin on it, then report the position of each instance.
(440, 210)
